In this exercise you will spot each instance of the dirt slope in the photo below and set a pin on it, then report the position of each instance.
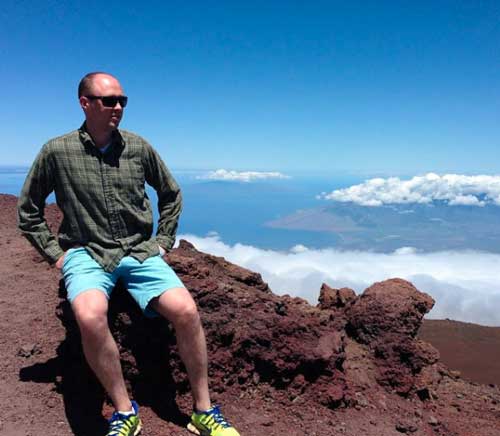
(472, 349)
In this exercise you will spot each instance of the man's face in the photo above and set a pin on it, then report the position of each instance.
(98, 116)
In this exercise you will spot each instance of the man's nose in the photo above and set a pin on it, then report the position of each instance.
(118, 106)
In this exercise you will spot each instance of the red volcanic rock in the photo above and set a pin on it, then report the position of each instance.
(330, 298)
(391, 307)
(277, 364)
(280, 341)
(387, 317)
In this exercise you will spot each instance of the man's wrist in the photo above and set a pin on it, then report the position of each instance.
(54, 253)
(164, 242)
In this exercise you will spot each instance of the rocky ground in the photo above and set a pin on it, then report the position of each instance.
(353, 365)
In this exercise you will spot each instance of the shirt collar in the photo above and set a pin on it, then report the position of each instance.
(117, 140)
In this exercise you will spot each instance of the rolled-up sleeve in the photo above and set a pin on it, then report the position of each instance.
(31, 205)
(169, 197)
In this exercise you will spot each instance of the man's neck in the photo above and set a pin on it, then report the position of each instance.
(101, 138)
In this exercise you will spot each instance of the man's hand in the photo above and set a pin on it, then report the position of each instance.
(60, 261)
(162, 250)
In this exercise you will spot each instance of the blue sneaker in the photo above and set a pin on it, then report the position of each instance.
(125, 425)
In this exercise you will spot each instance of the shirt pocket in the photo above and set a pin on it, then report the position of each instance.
(133, 185)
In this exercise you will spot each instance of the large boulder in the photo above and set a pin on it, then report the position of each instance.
(386, 317)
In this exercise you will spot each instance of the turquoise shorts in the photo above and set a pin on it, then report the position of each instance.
(144, 281)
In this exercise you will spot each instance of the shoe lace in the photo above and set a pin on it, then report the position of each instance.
(218, 418)
(118, 424)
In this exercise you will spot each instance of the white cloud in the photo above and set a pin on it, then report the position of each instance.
(455, 189)
(242, 176)
(299, 248)
(465, 284)
(405, 250)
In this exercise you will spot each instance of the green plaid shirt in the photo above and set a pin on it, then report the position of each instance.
(102, 196)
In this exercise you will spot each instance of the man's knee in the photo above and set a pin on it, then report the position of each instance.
(90, 309)
(178, 307)
(187, 312)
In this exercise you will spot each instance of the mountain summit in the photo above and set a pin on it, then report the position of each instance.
(352, 365)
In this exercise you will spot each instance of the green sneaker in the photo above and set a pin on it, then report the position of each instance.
(125, 425)
(211, 423)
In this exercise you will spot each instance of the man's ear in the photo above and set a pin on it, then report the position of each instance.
(84, 102)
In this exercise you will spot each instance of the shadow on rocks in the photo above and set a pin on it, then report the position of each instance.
(146, 351)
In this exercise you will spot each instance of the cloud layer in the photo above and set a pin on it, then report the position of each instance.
(465, 285)
(242, 176)
(453, 189)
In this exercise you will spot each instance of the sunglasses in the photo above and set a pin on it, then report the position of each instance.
(110, 100)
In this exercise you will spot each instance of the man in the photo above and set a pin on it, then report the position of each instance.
(98, 173)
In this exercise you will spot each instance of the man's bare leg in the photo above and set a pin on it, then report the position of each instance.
(179, 308)
(90, 309)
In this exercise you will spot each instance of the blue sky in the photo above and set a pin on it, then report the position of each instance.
(362, 87)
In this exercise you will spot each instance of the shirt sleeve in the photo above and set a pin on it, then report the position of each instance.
(31, 205)
(169, 197)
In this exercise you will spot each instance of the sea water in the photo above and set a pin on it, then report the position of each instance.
(236, 211)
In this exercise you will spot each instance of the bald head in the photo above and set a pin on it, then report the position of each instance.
(86, 85)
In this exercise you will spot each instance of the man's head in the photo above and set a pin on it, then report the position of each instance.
(102, 99)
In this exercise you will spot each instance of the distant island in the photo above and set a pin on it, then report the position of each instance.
(427, 227)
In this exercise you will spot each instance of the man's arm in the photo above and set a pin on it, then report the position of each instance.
(169, 197)
(31, 204)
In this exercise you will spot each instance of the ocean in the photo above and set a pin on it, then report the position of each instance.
(236, 211)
